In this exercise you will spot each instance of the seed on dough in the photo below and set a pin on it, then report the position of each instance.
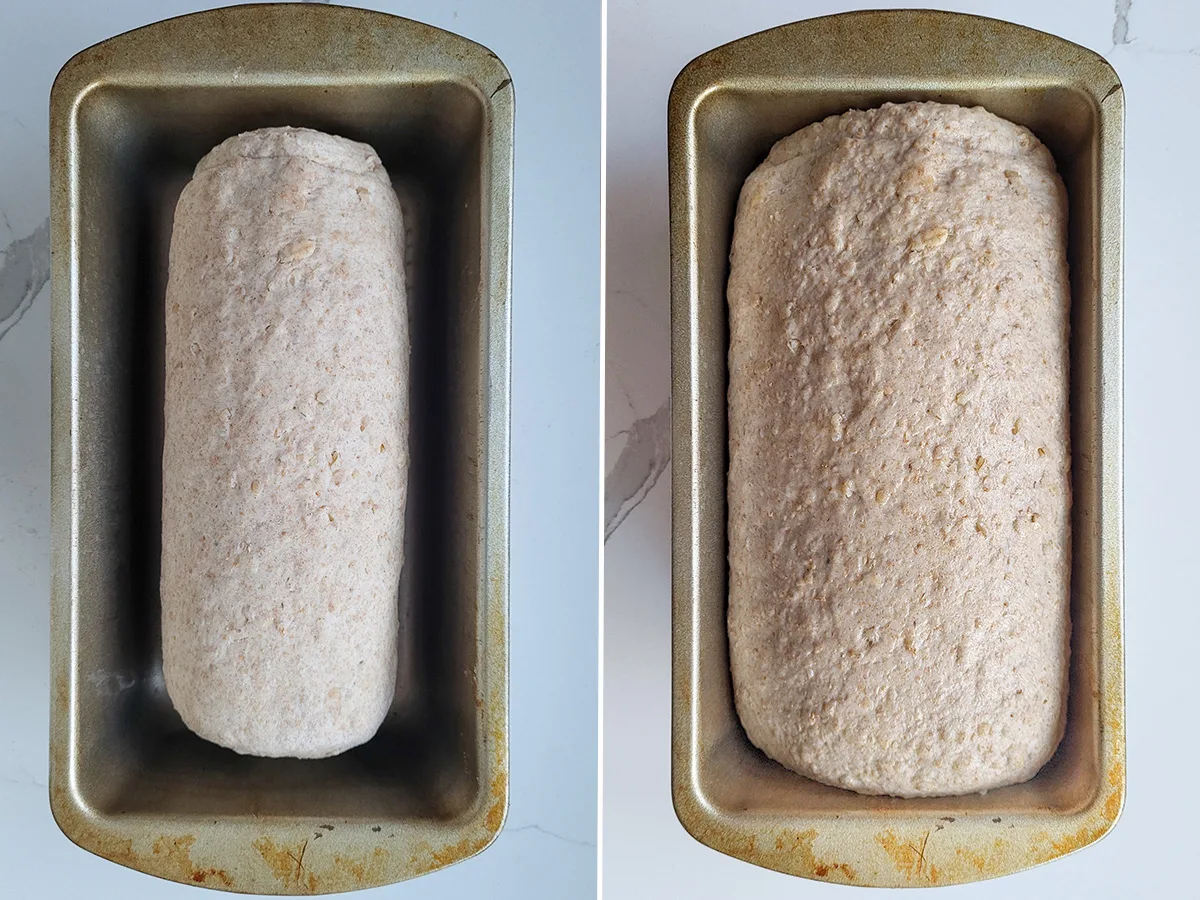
(296, 251)
(929, 239)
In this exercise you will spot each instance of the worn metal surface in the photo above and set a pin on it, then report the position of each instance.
(726, 110)
(130, 118)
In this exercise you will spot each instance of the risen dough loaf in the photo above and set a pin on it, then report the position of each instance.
(899, 544)
(285, 454)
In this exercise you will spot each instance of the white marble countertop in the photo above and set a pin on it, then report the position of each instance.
(1155, 47)
(553, 53)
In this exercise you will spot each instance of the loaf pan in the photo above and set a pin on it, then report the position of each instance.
(129, 119)
(726, 109)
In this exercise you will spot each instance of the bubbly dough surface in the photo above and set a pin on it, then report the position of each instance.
(285, 455)
(899, 480)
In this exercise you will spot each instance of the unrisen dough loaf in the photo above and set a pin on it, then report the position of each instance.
(899, 544)
(285, 455)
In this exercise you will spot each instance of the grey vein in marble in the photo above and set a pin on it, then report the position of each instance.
(13, 117)
(23, 273)
(554, 834)
(643, 459)
(26, 780)
(1120, 34)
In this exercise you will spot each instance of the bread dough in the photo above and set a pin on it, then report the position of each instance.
(285, 452)
(899, 480)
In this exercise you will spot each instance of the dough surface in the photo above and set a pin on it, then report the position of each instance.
(285, 453)
(899, 479)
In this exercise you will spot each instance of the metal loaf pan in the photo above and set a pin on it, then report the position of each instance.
(129, 119)
(726, 110)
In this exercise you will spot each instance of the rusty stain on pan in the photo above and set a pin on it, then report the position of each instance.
(130, 118)
(726, 110)
(176, 854)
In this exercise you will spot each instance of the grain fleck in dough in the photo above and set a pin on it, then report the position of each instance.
(899, 544)
(285, 454)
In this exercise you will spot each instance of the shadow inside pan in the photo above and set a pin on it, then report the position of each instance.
(137, 148)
